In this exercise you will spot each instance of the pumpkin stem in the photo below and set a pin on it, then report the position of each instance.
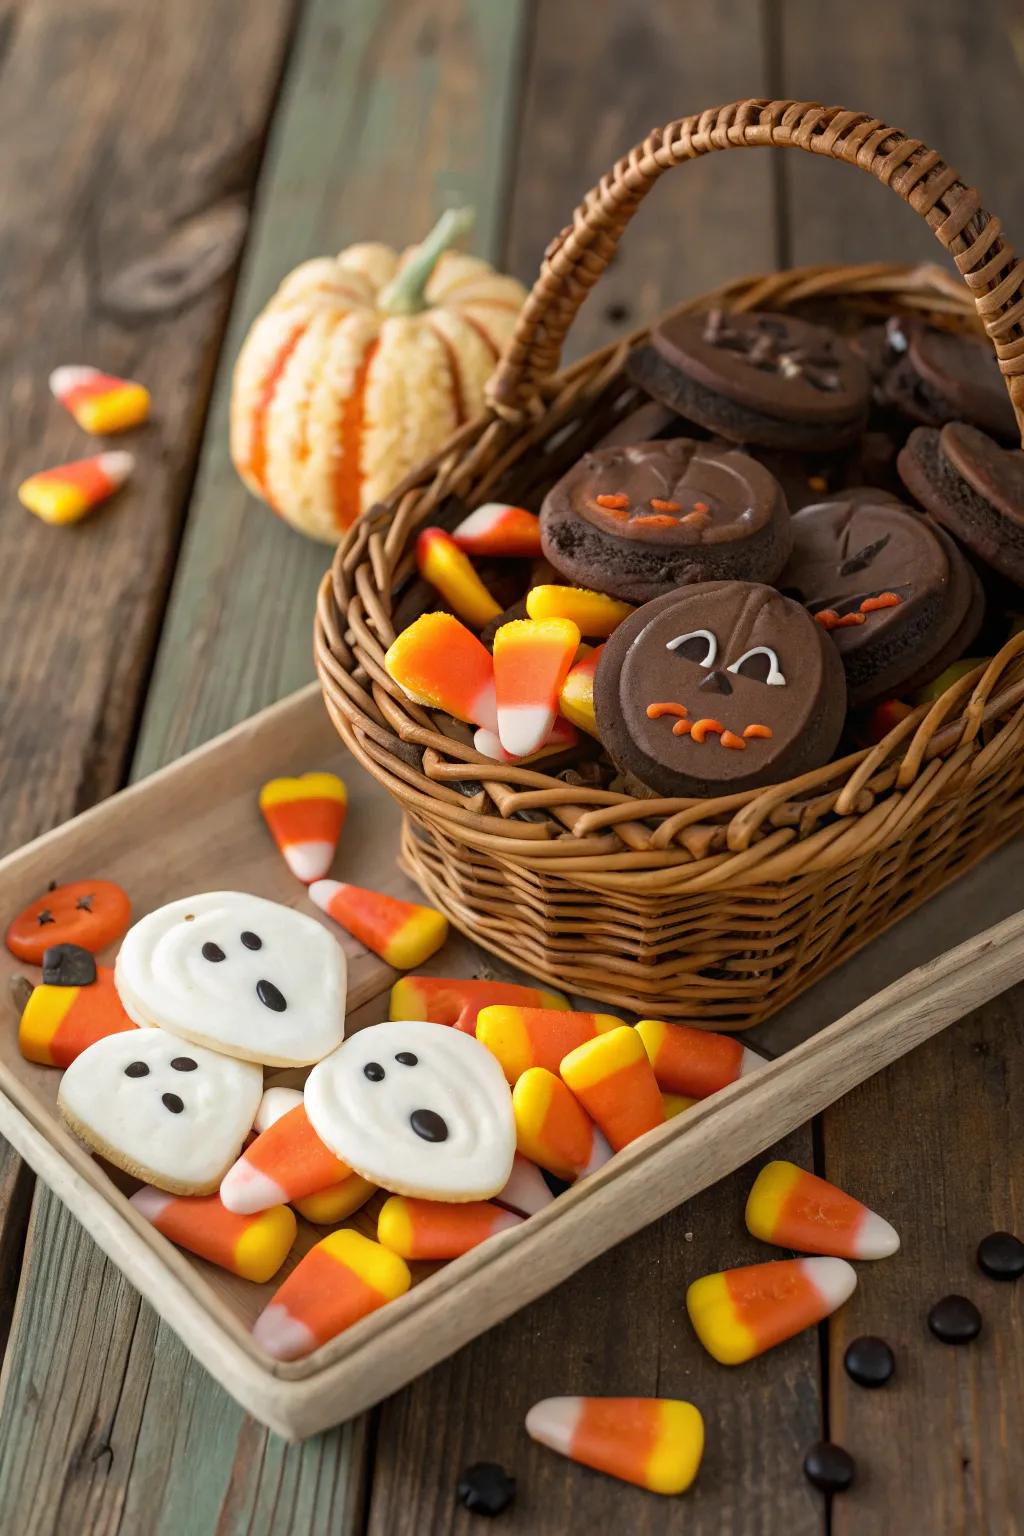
(406, 293)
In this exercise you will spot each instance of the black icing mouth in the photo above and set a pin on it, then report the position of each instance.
(429, 1125)
(270, 996)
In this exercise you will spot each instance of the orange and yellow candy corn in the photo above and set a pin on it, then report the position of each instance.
(536, 1037)
(675, 1104)
(345, 1277)
(443, 564)
(401, 932)
(576, 700)
(254, 1247)
(58, 1023)
(531, 659)
(440, 663)
(286, 1162)
(595, 614)
(527, 1191)
(562, 736)
(99, 402)
(65, 494)
(326, 1206)
(694, 1061)
(551, 1128)
(614, 1081)
(444, 1000)
(305, 816)
(499, 529)
(795, 1209)
(739, 1313)
(433, 1229)
(654, 1442)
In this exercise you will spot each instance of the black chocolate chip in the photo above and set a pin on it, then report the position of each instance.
(68, 965)
(829, 1467)
(184, 1064)
(374, 1071)
(1000, 1255)
(213, 952)
(45, 916)
(955, 1320)
(136, 1069)
(252, 940)
(407, 1058)
(486, 1489)
(84, 903)
(270, 997)
(428, 1124)
(869, 1361)
(172, 1102)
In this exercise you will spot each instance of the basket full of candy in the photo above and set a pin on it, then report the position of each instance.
(698, 663)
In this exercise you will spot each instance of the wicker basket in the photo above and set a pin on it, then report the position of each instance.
(716, 911)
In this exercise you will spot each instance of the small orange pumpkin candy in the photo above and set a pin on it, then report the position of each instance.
(360, 366)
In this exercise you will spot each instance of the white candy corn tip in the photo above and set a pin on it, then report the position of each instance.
(282, 1335)
(322, 892)
(524, 728)
(750, 1061)
(527, 1191)
(600, 1152)
(485, 709)
(482, 520)
(246, 1190)
(552, 1422)
(70, 376)
(117, 464)
(488, 745)
(150, 1202)
(876, 1238)
(309, 861)
(275, 1103)
(834, 1280)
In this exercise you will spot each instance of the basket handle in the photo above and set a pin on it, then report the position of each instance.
(576, 258)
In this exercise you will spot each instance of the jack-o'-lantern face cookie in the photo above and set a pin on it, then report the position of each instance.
(89, 913)
(245, 976)
(417, 1109)
(717, 688)
(640, 521)
(172, 1114)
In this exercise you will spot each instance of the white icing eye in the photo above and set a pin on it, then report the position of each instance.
(760, 663)
(699, 645)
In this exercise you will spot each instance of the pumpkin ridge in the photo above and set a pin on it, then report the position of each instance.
(348, 476)
(258, 447)
(454, 372)
(482, 331)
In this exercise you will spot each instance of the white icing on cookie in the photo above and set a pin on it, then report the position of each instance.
(417, 1108)
(170, 1113)
(242, 975)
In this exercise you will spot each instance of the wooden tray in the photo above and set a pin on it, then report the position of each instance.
(195, 826)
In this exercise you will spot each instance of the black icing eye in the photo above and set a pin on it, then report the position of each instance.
(184, 1064)
(761, 664)
(374, 1071)
(699, 645)
(213, 952)
(429, 1125)
(136, 1069)
(172, 1102)
(407, 1058)
(252, 940)
(270, 996)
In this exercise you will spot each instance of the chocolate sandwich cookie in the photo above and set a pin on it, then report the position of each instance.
(719, 687)
(768, 379)
(639, 521)
(643, 424)
(974, 488)
(932, 376)
(890, 588)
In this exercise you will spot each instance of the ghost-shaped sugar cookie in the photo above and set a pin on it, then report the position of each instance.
(242, 975)
(719, 687)
(417, 1109)
(172, 1114)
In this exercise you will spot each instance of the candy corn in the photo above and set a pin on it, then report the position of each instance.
(444, 1000)
(740, 1313)
(275, 1103)
(254, 1247)
(498, 529)
(527, 1191)
(531, 659)
(285, 1162)
(345, 1277)
(443, 564)
(326, 1206)
(794, 1209)
(439, 663)
(655, 1442)
(551, 1128)
(536, 1037)
(884, 718)
(563, 735)
(58, 1023)
(305, 816)
(99, 402)
(694, 1061)
(402, 933)
(593, 613)
(433, 1229)
(675, 1103)
(576, 700)
(65, 494)
(614, 1081)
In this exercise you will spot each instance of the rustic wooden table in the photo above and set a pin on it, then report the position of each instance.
(165, 165)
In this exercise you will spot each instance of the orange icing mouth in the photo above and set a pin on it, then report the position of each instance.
(699, 730)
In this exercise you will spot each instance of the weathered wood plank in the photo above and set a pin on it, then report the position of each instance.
(935, 1144)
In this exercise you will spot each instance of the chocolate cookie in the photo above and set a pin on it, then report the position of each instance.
(891, 589)
(974, 488)
(933, 376)
(719, 687)
(646, 422)
(768, 379)
(639, 521)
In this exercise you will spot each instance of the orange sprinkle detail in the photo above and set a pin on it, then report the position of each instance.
(612, 503)
(829, 619)
(654, 520)
(682, 728)
(883, 600)
(701, 506)
(665, 506)
(696, 519)
(655, 711)
(759, 732)
(817, 483)
(702, 728)
(730, 739)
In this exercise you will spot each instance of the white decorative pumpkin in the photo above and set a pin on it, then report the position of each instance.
(359, 367)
